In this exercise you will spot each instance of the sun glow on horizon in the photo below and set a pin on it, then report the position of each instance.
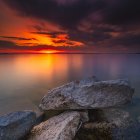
(51, 51)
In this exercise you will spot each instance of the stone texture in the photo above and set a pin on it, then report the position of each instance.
(16, 125)
(110, 124)
(110, 115)
(88, 94)
(61, 127)
(84, 116)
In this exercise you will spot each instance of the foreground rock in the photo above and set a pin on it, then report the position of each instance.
(110, 124)
(61, 127)
(88, 95)
(16, 125)
(110, 115)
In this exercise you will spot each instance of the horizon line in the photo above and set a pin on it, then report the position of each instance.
(77, 53)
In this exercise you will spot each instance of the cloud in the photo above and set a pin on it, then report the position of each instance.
(17, 38)
(99, 24)
(123, 12)
(114, 46)
(51, 34)
(7, 45)
(128, 40)
(69, 14)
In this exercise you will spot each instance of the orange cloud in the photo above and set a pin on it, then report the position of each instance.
(38, 39)
(19, 30)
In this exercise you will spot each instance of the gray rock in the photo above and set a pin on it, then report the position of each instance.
(113, 124)
(90, 95)
(61, 127)
(16, 125)
(110, 115)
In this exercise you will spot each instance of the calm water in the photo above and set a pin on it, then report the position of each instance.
(24, 79)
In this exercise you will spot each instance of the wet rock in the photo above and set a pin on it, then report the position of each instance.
(16, 125)
(88, 95)
(61, 127)
(113, 124)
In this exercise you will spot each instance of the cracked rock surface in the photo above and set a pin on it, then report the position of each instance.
(61, 127)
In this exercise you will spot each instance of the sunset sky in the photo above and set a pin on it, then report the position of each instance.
(70, 26)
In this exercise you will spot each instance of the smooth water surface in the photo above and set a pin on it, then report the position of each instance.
(25, 78)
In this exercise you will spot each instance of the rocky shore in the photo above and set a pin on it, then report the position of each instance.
(80, 110)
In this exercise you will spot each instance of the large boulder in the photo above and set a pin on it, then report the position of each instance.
(88, 95)
(110, 124)
(61, 127)
(16, 125)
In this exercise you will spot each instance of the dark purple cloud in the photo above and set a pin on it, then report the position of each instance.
(17, 38)
(51, 34)
(7, 45)
(69, 14)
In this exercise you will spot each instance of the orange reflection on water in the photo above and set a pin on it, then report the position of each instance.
(46, 66)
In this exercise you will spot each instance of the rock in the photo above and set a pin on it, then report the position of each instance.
(61, 127)
(113, 124)
(90, 95)
(84, 116)
(16, 125)
(51, 113)
(40, 116)
(111, 115)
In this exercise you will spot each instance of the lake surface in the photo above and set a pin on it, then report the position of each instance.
(25, 78)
